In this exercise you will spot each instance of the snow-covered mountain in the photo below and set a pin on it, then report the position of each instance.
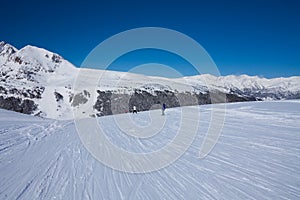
(38, 82)
(31, 78)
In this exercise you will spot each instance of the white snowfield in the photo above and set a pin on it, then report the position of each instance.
(256, 157)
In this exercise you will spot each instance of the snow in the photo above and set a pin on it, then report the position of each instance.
(243, 82)
(5, 51)
(32, 67)
(257, 156)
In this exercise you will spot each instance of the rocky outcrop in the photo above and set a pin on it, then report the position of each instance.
(25, 106)
(109, 103)
(39, 82)
(58, 96)
(80, 98)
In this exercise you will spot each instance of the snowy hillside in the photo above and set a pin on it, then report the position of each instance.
(38, 82)
(256, 157)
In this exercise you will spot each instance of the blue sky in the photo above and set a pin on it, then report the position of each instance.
(243, 37)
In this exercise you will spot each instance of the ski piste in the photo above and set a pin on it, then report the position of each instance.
(256, 157)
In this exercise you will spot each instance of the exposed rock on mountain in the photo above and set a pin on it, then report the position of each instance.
(38, 82)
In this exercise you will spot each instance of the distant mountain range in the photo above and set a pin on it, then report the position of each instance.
(38, 82)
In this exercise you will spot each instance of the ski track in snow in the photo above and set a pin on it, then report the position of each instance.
(256, 157)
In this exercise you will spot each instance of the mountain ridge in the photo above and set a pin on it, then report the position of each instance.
(44, 83)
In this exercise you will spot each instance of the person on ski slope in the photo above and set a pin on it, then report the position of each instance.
(163, 108)
(134, 110)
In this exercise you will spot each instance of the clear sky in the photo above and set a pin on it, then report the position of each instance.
(254, 37)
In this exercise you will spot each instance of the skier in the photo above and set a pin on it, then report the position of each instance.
(134, 110)
(163, 108)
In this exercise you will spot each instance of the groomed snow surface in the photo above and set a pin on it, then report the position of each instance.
(256, 157)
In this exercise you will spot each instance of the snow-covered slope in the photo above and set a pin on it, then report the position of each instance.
(38, 82)
(256, 157)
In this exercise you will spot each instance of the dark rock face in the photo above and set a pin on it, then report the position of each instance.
(56, 58)
(144, 100)
(236, 98)
(58, 96)
(20, 100)
(18, 60)
(34, 93)
(295, 95)
(120, 103)
(109, 103)
(79, 99)
(16, 104)
(103, 103)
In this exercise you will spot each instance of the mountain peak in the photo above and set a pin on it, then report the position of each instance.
(39, 53)
(6, 49)
(43, 58)
(45, 82)
(32, 65)
(2, 43)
